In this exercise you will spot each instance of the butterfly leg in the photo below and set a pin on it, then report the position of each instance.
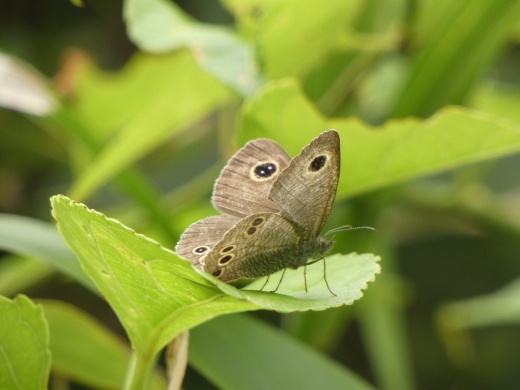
(280, 282)
(324, 274)
(305, 276)
(267, 281)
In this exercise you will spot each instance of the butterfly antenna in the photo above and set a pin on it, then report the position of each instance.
(348, 227)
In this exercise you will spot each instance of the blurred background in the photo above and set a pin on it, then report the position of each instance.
(450, 241)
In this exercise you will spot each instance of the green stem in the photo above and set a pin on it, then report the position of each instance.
(139, 371)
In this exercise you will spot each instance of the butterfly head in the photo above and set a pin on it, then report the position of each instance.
(323, 246)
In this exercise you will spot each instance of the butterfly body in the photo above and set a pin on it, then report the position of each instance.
(273, 211)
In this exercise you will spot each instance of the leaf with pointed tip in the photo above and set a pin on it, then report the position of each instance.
(378, 157)
(157, 295)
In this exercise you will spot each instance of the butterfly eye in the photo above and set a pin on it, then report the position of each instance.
(318, 163)
(264, 171)
(225, 259)
(200, 250)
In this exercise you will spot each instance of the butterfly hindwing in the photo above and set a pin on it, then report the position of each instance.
(243, 185)
(305, 191)
(256, 246)
(202, 236)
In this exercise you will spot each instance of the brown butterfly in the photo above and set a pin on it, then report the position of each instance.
(273, 211)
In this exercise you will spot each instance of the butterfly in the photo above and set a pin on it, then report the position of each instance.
(273, 210)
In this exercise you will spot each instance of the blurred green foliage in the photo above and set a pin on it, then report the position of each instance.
(133, 107)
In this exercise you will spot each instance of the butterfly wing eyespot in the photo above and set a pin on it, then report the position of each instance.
(229, 248)
(250, 231)
(314, 171)
(318, 163)
(245, 181)
(200, 250)
(258, 221)
(273, 207)
(254, 226)
(264, 170)
(226, 259)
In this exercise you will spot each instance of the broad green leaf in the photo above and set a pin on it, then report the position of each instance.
(181, 97)
(155, 294)
(347, 275)
(310, 32)
(501, 101)
(40, 240)
(379, 157)
(133, 271)
(25, 358)
(259, 356)
(85, 351)
(159, 26)
(458, 40)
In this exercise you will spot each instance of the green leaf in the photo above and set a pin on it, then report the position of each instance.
(347, 275)
(25, 359)
(40, 240)
(116, 249)
(152, 111)
(157, 295)
(379, 157)
(259, 356)
(85, 351)
(458, 40)
(310, 32)
(159, 26)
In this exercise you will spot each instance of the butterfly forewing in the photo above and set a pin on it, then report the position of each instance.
(305, 191)
(256, 246)
(244, 183)
(200, 238)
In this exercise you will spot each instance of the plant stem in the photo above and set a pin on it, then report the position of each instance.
(139, 371)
